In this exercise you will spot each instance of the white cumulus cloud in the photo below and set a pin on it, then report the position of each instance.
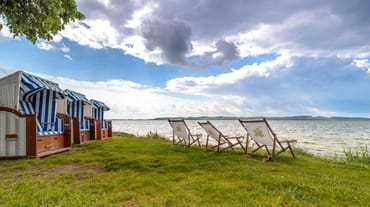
(362, 64)
(68, 57)
(200, 85)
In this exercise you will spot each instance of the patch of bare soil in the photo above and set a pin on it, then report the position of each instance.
(36, 171)
(73, 167)
(130, 203)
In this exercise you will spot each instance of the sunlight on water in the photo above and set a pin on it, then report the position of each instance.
(319, 137)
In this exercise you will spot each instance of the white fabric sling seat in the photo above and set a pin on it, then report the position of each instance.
(262, 134)
(181, 133)
(222, 142)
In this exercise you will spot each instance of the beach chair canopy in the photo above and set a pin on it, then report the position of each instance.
(32, 85)
(262, 134)
(79, 107)
(181, 133)
(222, 141)
(99, 104)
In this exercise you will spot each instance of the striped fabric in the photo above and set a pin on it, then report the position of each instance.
(31, 84)
(74, 96)
(98, 112)
(27, 108)
(45, 107)
(40, 95)
(75, 109)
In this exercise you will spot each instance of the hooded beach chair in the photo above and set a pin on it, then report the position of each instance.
(181, 133)
(80, 110)
(103, 127)
(222, 142)
(262, 134)
(34, 122)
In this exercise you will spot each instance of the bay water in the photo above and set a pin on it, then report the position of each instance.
(327, 138)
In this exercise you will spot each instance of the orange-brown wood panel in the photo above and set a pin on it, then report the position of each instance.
(85, 136)
(76, 131)
(109, 128)
(31, 150)
(67, 132)
(92, 129)
(56, 142)
(42, 143)
(98, 129)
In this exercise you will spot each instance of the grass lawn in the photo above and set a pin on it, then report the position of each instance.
(131, 171)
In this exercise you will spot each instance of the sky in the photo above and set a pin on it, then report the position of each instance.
(162, 58)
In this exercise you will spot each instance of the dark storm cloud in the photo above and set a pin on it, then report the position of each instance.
(118, 12)
(333, 27)
(172, 37)
(216, 18)
(224, 53)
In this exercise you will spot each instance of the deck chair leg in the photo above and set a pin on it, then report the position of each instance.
(198, 141)
(218, 147)
(207, 142)
(241, 145)
(291, 151)
(246, 145)
(258, 147)
(267, 149)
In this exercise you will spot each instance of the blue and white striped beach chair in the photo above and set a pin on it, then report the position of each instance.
(98, 112)
(76, 108)
(38, 96)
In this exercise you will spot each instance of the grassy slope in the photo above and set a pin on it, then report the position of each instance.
(127, 171)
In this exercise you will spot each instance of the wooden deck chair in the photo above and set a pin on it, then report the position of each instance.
(261, 133)
(223, 142)
(181, 133)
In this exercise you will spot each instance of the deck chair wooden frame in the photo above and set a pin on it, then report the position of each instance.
(223, 142)
(181, 133)
(262, 134)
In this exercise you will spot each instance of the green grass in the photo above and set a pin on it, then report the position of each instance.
(360, 155)
(131, 171)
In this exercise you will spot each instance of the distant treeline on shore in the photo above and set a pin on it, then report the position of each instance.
(270, 118)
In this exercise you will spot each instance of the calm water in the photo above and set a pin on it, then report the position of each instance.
(320, 137)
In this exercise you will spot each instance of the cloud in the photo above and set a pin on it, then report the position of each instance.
(224, 52)
(171, 37)
(68, 57)
(287, 86)
(5, 71)
(218, 32)
(43, 45)
(65, 49)
(281, 86)
(363, 64)
(200, 85)
(5, 32)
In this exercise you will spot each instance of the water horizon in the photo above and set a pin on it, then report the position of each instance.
(325, 138)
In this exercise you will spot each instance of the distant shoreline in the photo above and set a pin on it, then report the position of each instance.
(313, 118)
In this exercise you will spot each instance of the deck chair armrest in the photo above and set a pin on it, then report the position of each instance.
(289, 142)
(241, 137)
(198, 135)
